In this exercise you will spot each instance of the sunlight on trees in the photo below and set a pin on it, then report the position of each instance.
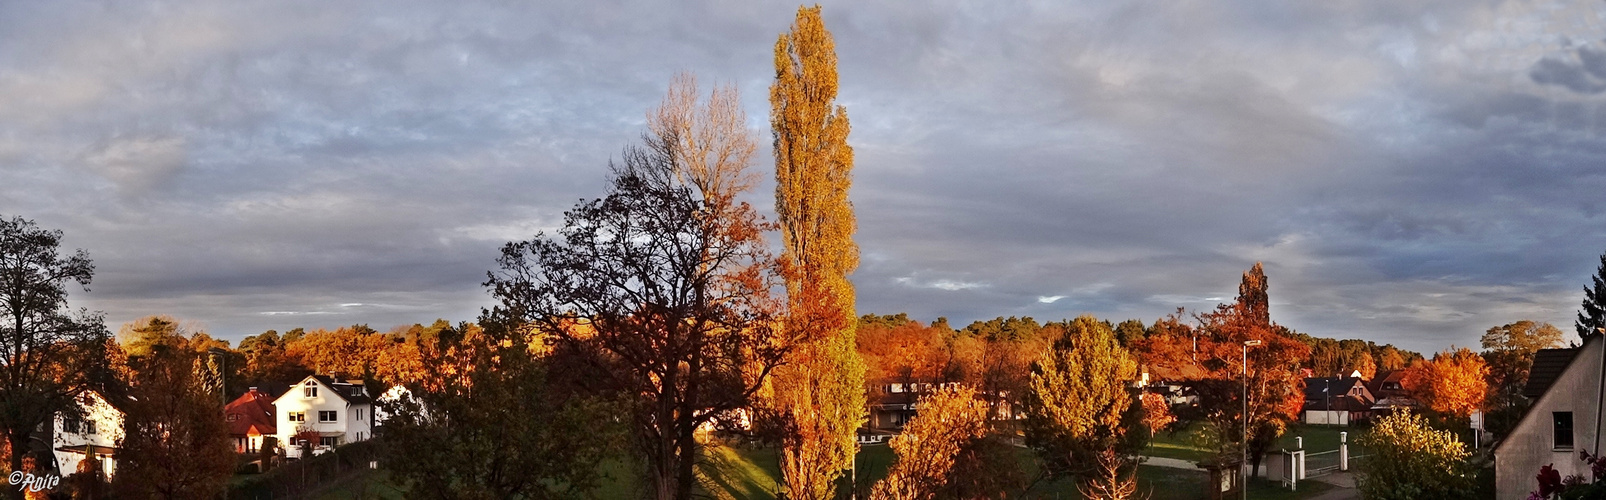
(1412, 461)
(950, 419)
(819, 394)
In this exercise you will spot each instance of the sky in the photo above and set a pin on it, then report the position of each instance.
(1409, 172)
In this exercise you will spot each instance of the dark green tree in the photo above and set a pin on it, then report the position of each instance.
(486, 423)
(1593, 316)
(48, 353)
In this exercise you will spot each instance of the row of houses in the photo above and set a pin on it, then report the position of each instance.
(314, 415)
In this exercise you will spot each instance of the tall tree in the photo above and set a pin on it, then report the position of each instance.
(1508, 351)
(658, 292)
(1079, 409)
(819, 394)
(1525, 336)
(48, 353)
(1593, 316)
(174, 412)
(1275, 387)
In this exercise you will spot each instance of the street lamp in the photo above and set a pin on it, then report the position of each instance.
(1243, 484)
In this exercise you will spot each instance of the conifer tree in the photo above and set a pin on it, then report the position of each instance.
(1593, 316)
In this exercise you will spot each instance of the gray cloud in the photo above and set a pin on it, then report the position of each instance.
(1410, 173)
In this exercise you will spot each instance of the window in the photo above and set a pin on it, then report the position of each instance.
(1562, 430)
(309, 392)
(329, 441)
(69, 424)
(298, 416)
(234, 417)
(89, 427)
(328, 415)
(359, 414)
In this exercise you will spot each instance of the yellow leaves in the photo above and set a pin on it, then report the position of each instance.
(1079, 389)
(709, 143)
(821, 391)
(949, 419)
(1453, 382)
(1411, 460)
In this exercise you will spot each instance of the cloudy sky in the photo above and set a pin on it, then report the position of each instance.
(1409, 172)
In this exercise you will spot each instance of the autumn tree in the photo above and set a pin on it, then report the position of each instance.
(1079, 409)
(1156, 413)
(659, 293)
(1411, 460)
(267, 363)
(1452, 383)
(1275, 386)
(486, 422)
(1170, 343)
(48, 353)
(818, 394)
(949, 421)
(173, 412)
(1592, 316)
(1508, 352)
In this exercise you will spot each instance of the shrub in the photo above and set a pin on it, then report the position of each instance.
(1411, 460)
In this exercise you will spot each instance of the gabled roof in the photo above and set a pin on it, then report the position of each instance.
(1317, 387)
(350, 391)
(1548, 365)
(1183, 372)
(1339, 402)
(1556, 363)
(1385, 378)
(252, 409)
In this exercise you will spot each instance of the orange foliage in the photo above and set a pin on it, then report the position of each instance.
(1453, 382)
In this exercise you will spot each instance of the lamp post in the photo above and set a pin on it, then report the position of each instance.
(1243, 485)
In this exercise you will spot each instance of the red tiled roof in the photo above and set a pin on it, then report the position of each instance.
(254, 409)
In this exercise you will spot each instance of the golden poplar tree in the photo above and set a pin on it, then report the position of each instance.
(819, 394)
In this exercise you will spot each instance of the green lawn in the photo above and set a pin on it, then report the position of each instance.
(752, 473)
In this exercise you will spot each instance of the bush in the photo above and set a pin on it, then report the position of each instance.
(1411, 460)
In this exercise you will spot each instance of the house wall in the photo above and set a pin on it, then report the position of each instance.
(354, 429)
(108, 423)
(1327, 417)
(1529, 446)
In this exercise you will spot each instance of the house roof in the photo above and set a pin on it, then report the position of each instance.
(1187, 371)
(350, 391)
(1317, 388)
(1556, 363)
(252, 409)
(1376, 385)
(1339, 402)
(1548, 365)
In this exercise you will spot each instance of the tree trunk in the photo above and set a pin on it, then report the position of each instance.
(18, 440)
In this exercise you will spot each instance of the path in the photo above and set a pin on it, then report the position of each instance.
(1344, 490)
(1343, 482)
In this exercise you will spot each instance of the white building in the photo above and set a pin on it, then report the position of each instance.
(96, 432)
(1565, 386)
(322, 412)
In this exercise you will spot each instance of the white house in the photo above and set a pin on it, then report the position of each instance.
(1565, 385)
(96, 432)
(324, 413)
